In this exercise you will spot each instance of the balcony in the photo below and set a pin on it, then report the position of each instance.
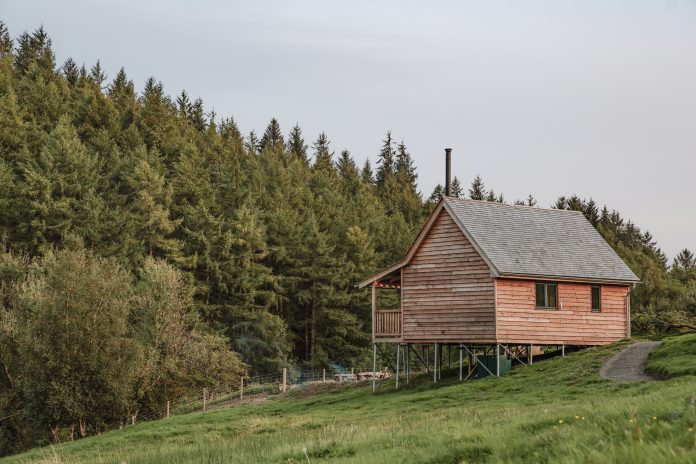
(387, 323)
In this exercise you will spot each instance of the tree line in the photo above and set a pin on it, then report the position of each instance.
(149, 247)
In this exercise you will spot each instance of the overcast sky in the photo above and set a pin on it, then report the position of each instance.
(552, 98)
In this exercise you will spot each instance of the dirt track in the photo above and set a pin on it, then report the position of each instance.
(629, 365)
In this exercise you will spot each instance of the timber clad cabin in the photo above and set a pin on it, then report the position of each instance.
(489, 274)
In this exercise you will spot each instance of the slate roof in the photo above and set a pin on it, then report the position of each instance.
(520, 240)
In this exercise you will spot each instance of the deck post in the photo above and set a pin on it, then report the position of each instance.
(435, 364)
(374, 366)
(374, 308)
(562, 350)
(461, 365)
(398, 355)
(497, 359)
(407, 361)
(439, 362)
(530, 354)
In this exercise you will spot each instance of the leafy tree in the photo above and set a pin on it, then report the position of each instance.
(76, 375)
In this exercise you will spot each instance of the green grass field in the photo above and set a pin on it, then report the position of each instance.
(555, 411)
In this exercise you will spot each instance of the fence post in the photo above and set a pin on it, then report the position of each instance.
(285, 379)
(323, 375)
(241, 389)
(167, 408)
(205, 393)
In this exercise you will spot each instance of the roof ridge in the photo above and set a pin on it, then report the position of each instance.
(504, 205)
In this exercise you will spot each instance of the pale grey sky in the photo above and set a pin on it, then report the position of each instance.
(550, 97)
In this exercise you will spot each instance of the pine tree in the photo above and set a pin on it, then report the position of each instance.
(456, 189)
(296, 144)
(405, 171)
(685, 260)
(347, 169)
(35, 50)
(183, 104)
(385, 162)
(60, 190)
(5, 41)
(96, 75)
(197, 115)
(251, 144)
(323, 156)
(71, 72)
(438, 193)
(122, 94)
(152, 199)
(366, 175)
(477, 191)
(272, 138)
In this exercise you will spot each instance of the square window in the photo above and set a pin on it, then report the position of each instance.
(546, 295)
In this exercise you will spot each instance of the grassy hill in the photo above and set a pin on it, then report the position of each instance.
(556, 411)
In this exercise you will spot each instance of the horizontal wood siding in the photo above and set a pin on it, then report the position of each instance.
(573, 324)
(447, 289)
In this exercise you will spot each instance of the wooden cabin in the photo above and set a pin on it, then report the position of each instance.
(482, 273)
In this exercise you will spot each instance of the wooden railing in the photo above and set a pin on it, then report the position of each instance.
(387, 323)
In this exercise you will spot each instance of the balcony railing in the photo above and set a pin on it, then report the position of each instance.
(387, 323)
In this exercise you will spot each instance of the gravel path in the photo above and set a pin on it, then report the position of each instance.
(629, 365)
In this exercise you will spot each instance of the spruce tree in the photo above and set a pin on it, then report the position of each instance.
(323, 156)
(405, 171)
(366, 174)
(477, 191)
(272, 138)
(456, 189)
(438, 193)
(96, 75)
(5, 41)
(296, 144)
(385, 162)
(251, 144)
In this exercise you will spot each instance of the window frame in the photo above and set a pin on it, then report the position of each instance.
(546, 296)
(598, 309)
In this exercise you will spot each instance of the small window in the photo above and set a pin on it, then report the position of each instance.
(596, 299)
(546, 296)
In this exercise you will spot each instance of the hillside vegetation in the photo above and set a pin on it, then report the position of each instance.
(555, 411)
(149, 248)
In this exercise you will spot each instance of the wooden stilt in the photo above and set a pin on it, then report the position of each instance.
(530, 354)
(562, 350)
(398, 357)
(497, 359)
(407, 362)
(461, 365)
(435, 364)
(374, 367)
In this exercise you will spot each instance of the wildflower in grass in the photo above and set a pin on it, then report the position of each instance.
(577, 417)
(654, 418)
(560, 421)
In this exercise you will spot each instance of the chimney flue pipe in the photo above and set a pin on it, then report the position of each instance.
(448, 171)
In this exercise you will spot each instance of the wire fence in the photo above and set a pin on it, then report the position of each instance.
(251, 390)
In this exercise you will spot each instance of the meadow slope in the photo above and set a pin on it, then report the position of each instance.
(556, 411)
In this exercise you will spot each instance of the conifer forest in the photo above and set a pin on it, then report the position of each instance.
(148, 248)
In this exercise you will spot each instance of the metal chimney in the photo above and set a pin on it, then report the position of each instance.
(448, 171)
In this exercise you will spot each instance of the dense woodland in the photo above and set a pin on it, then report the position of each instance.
(148, 248)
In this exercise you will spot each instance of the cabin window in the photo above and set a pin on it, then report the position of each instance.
(596, 299)
(546, 295)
